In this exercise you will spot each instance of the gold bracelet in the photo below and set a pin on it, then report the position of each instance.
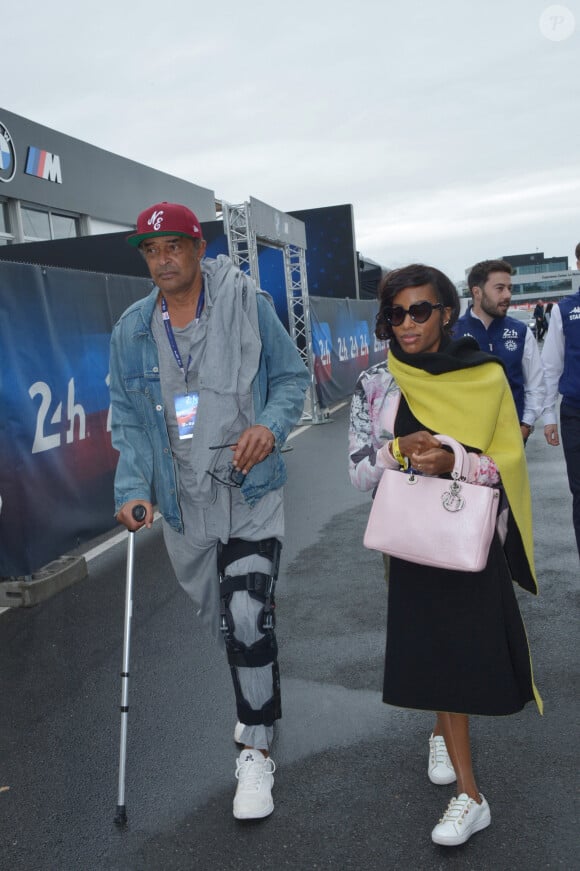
(396, 451)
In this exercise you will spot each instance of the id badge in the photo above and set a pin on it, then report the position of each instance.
(185, 412)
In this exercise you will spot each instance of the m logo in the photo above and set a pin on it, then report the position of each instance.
(7, 155)
(43, 164)
(156, 220)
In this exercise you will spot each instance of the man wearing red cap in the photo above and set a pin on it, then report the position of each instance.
(206, 385)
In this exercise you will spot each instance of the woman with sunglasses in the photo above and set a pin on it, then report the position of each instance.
(456, 644)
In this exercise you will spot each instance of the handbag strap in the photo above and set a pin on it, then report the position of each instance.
(458, 454)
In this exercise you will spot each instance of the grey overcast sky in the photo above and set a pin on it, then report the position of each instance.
(452, 126)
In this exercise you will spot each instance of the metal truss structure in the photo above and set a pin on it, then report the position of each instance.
(242, 242)
(243, 249)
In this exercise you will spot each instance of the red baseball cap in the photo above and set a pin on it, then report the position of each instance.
(166, 219)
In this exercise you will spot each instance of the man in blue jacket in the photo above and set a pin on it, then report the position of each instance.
(561, 359)
(487, 320)
(205, 386)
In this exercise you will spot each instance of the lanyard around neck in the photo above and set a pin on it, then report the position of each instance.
(171, 334)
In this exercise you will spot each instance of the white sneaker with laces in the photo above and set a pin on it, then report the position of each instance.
(440, 769)
(462, 819)
(255, 775)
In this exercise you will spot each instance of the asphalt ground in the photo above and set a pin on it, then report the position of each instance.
(351, 787)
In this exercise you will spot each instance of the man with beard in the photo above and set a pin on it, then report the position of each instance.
(487, 321)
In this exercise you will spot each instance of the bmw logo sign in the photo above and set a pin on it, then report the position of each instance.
(7, 155)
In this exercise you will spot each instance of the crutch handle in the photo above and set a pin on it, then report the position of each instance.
(139, 512)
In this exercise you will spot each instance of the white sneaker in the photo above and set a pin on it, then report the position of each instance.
(238, 732)
(440, 768)
(462, 819)
(255, 774)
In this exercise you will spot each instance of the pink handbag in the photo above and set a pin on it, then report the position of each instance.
(448, 524)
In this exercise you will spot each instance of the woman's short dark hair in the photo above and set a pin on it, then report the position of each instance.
(414, 276)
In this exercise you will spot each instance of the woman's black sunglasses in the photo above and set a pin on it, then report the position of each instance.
(419, 312)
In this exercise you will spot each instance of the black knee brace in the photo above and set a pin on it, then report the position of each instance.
(264, 651)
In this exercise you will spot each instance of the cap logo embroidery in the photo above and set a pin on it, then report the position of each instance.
(156, 220)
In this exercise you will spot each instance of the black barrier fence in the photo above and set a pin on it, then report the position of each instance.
(56, 460)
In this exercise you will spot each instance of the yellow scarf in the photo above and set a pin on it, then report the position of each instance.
(475, 406)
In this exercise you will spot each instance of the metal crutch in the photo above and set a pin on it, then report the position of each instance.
(139, 512)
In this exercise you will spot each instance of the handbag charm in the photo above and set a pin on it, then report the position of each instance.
(451, 499)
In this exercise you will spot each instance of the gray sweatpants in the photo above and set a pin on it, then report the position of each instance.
(194, 559)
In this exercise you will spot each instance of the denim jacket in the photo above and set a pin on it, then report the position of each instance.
(139, 431)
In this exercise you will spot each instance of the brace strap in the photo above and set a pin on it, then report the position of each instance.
(253, 582)
(260, 653)
(269, 712)
(238, 548)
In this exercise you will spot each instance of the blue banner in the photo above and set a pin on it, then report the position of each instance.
(343, 344)
(57, 463)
